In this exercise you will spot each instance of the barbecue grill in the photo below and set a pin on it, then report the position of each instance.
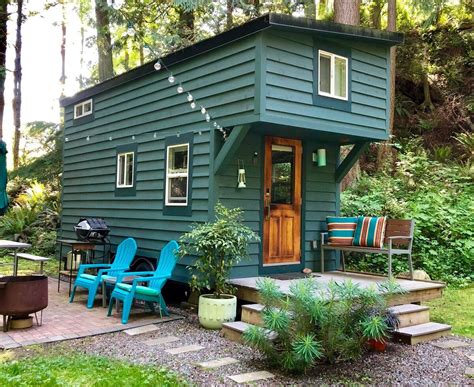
(92, 229)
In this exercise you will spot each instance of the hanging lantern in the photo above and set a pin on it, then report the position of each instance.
(241, 174)
(319, 157)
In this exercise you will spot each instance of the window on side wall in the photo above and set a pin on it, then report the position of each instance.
(83, 109)
(333, 75)
(125, 169)
(177, 174)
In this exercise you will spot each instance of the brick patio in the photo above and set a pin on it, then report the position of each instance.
(63, 321)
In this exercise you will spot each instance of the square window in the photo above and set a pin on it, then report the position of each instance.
(125, 169)
(177, 175)
(83, 109)
(333, 75)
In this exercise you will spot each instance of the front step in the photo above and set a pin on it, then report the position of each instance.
(252, 314)
(233, 331)
(411, 314)
(422, 332)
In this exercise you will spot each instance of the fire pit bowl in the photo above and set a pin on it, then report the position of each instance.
(22, 295)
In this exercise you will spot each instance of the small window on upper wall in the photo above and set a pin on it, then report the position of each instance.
(177, 173)
(333, 75)
(125, 169)
(83, 109)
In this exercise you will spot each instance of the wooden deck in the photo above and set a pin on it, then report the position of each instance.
(417, 291)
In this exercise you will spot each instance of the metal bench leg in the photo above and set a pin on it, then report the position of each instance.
(322, 260)
(410, 263)
(343, 261)
(389, 264)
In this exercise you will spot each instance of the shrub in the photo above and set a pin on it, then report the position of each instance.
(331, 324)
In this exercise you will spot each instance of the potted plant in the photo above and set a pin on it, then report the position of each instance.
(218, 246)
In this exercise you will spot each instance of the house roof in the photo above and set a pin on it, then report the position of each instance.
(271, 20)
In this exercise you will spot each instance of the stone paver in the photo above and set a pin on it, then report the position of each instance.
(63, 321)
(161, 340)
(218, 362)
(451, 344)
(470, 372)
(140, 330)
(251, 376)
(184, 349)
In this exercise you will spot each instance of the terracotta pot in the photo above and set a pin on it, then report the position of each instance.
(376, 345)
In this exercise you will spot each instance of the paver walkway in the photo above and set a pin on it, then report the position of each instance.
(62, 320)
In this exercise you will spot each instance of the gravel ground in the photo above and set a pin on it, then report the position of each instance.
(420, 365)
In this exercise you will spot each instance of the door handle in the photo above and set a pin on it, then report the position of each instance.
(267, 203)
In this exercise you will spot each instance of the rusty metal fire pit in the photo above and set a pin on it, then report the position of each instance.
(22, 295)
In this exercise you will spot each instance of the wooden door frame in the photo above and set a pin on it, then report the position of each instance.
(298, 193)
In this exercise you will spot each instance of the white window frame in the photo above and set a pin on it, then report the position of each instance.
(168, 176)
(82, 104)
(125, 154)
(332, 82)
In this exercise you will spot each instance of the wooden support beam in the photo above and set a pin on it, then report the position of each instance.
(230, 146)
(350, 160)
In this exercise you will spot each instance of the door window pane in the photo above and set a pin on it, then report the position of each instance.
(282, 174)
(340, 86)
(324, 73)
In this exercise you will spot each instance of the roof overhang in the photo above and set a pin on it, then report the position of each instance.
(271, 20)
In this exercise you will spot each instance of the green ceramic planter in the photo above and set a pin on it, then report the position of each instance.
(213, 312)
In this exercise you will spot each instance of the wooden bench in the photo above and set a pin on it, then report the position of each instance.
(398, 240)
(34, 258)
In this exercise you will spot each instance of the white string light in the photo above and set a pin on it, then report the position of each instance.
(180, 89)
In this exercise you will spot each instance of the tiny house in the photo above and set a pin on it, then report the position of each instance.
(253, 117)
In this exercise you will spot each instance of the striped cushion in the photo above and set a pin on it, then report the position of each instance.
(341, 230)
(370, 232)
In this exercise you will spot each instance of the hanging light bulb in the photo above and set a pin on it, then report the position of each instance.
(88, 138)
(203, 110)
(171, 79)
(193, 105)
(208, 117)
(133, 137)
(157, 66)
(190, 97)
(180, 89)
(154, 135)
(66, 139)
(215, 124)
(110, 138)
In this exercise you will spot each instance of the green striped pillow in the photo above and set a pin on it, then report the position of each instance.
(341, 230)
(370, 232)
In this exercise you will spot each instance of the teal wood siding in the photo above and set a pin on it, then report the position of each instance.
(150, 109)
(290, 81)
(319, 192)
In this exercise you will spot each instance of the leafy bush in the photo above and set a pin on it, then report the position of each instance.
(438, 197)
(331, 324)
(218, 246)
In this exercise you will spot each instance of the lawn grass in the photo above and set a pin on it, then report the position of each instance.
(73, 369)
(26, 267)
(455, 308)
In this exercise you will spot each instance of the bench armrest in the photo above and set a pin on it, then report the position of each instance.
(84, 266)
(399, 237)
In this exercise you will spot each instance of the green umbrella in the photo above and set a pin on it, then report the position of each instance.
(3, 178)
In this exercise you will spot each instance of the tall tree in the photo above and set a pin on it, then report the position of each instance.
(17, 74)
(186, 25)
(392, 26)
(347, 12)
(62, 80)
(104, 40)
(376, 13)
(229, 15)
(3, 56)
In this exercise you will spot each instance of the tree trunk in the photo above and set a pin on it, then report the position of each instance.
(3, 56)
(17, 87)
(62, 80)
(310, 9)
(229, 15)
(392, 26)
(186, 25)
(427, 103)
(375, 13)
(104, 41)
(347, 12)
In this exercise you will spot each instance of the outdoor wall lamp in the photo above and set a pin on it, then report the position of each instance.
(241, 174)
(319, 157)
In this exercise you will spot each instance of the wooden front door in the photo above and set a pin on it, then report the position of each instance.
(282, 198)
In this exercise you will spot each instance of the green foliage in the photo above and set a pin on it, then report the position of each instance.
(332, 324)
(218, 246)
(438, 197)
(82, 370)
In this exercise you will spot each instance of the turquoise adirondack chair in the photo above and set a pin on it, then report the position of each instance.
(123, 259)
(151, 294)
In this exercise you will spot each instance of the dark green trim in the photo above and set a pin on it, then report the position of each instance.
(350, 160)
(230, 146)
(129, 191)
(186, 138)
(324, 101)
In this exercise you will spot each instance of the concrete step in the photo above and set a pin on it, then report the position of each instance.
(251, 314)
(233, 331)
(411, 314)
(421, 333)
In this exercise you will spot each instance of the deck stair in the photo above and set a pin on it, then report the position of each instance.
(415, 326)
